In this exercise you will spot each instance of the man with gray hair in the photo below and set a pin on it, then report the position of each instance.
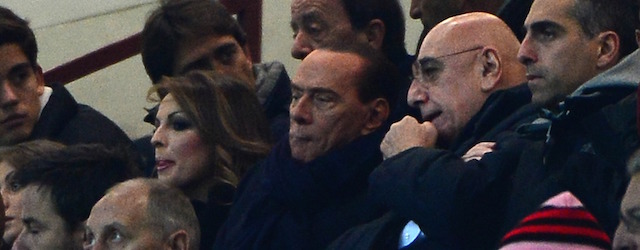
(143, 214)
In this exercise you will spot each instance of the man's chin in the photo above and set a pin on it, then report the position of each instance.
(550, 102)
(302, 155)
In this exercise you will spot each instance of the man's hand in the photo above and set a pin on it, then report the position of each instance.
(406, 134)
(477, 151)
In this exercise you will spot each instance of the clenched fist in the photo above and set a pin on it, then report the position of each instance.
(406, 134)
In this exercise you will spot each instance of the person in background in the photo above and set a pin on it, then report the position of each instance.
(13, 158)
(377, 24)
(430, 13)
(31, 109)
(142, 214)
(184, 35)
(209, 132)
(60, 188)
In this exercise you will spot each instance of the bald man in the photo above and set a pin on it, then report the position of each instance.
(143, 214)
(462, 61)
(468, 85)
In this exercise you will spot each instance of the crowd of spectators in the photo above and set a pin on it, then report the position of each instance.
(513, 126)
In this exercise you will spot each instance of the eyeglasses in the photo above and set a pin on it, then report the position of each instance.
(424, 73)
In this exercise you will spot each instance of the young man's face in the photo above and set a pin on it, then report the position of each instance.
(220, 53)
(43, 227)
(21, 85)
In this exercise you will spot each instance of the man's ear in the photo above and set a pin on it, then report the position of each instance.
(378, 114)
(375, 32)
(37, 70)
(609, 51)
(491, 69)
(179, 240)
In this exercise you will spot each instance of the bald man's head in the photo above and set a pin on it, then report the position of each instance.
(151, 214)
(477, 29)
(461, 62)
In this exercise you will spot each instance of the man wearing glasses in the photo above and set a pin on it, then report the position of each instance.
(585, 134)
(467, 80)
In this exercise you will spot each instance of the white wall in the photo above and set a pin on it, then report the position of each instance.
(119, 91)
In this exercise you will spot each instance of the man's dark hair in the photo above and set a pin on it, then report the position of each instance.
(619, 16)
(176, 21)
(15, 30)
(380, 77)
(361, 12)
(77, 177)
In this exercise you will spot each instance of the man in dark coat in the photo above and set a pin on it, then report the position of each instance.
(312, 187)
(587, 132)
(464, 106)
(30, 110)
(580, 147)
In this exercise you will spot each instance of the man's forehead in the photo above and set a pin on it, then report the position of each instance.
(447, 37)
(129, 193)
(304, 7)
(10, 56)
(36, 200)
(328, 67)
(556, 11)
(193, 49)
(435, 48)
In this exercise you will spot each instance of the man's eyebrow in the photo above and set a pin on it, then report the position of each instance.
(204, 61)
(30, 220)
(9, 176)
(313, 90)
(544, 24)
(19, 67)
(114, 226)
(429, 60)
(311, 16)
(295, 87)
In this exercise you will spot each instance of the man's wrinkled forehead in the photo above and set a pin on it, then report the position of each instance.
(445, 38)
(307, 7)
(432, 48)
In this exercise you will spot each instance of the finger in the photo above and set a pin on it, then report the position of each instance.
(487, 144)
(467, 159)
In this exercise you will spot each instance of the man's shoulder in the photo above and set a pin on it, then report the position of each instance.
(78, 123)
(96, 126)
(273, 72)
